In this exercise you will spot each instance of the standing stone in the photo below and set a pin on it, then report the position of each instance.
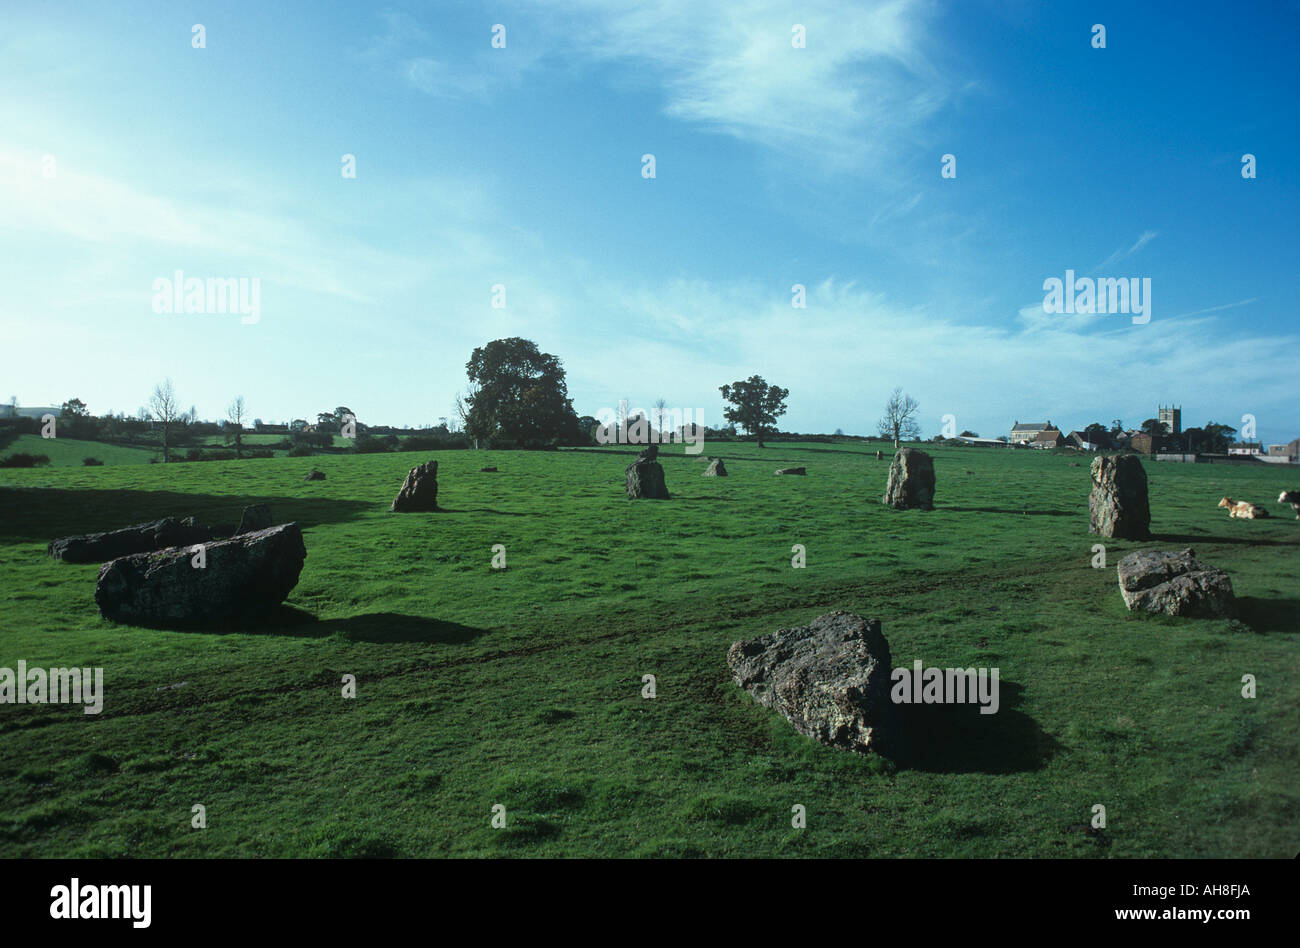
(830, 679)
(880, 455)
(243, 578)
(1175, 583)
(645, 479)
(911, 481)
(255, 517)
(419, 491)
(715, 469)
(1118, 504)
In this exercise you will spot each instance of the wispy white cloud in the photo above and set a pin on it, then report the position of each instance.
(865, 79)
(1145, 238)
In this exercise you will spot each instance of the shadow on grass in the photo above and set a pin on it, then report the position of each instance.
(39, 514)
(379, 627)
(1186, 540)
(957, 739)
(939, 505)
(1269, 615)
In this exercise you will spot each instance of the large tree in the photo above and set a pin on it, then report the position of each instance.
(899, 421)
(519, 396)
(755, 405)
(163, 408)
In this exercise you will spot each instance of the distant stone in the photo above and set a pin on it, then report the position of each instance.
(419, 491)
(911, 481)
(140, 538)
(791, 470)
(829, 679)
(487, 470)
(715, 469)
(1118, 506)
(1175, 583)
(255, 517)
(645, 479)
(880, 455)
(244, 577)
(315, 475)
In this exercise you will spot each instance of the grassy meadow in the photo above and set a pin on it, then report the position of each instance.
(522, 686)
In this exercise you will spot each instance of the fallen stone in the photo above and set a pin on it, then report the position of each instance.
(911, 481)
(791, 470)
(315, 476)
(829, 679)
(715, 469)
(244, 578)
(1175, 583)
(140, 538)
(487, 470)
(419, 491)
(255, 517)
(1118, 505)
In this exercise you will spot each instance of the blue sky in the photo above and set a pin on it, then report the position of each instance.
(522, 166)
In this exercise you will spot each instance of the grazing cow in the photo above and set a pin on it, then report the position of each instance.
(1243, 509)
(1291, 497)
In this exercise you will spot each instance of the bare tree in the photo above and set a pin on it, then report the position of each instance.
(899, 422)
(235, 413)
(463, 403)
(661, 408)
(162, 405)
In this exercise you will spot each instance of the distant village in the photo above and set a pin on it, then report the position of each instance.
(1163, 438)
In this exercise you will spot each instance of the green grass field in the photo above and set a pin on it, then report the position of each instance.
(69, 452)
(522, 687)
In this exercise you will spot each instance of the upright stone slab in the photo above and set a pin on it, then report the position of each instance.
(645, 480)
(1118, 506)
(829, 679)
(419, 491)
(255, 517)
(242, 578)
(715, 469)
(911, 481)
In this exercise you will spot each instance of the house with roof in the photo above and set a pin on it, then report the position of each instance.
(1028, 431)
(1049, 438)
(1079, 440)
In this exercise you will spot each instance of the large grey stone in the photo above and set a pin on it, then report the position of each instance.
(715, 469)
(140, 538)
(1118, 505)
(829, 679)
(419, 491)
(645, 479)
(255, 517)
(911, 481)
(243, 578)
(1175, 583)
